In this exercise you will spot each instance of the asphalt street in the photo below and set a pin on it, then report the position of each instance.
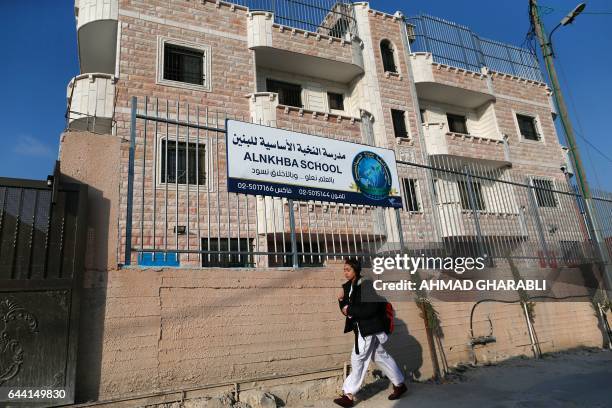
(573, 379)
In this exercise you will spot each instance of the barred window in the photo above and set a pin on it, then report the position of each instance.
(464, 195)
(544, 195)
(189, 163)
(232, 254)
(288, 94)
(411, 196)
(183, 64)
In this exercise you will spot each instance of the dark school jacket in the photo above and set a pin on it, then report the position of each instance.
(369, 316)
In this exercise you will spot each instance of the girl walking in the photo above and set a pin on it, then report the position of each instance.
(368, 323)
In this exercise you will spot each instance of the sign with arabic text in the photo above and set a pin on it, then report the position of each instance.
(262, 160)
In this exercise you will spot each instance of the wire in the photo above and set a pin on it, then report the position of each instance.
(579, 123)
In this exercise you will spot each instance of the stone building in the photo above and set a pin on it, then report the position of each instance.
(189, 286)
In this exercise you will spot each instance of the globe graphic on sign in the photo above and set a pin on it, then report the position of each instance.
(372, 175)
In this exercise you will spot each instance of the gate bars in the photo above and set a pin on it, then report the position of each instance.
(178, 206)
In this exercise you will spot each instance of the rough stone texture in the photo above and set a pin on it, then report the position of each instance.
(336, 49)
(258, 399)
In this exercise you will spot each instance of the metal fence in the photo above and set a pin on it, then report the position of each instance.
(466, 208)
(328, 17)
(602, 209)
(456, 45)
(179, 211)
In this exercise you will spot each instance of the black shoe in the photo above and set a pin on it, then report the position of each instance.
(344, 401)
(398, 391)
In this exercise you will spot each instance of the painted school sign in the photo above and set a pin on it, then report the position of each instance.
(263, 160)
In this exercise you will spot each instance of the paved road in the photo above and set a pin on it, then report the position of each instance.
(577, 379)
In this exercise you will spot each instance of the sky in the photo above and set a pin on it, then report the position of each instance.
(40, 58)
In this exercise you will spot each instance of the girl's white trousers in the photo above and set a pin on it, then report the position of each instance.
(370, 348)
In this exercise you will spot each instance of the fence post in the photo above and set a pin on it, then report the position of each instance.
(472, 200)
(398, 220)
(130, 186)
(425, 37)
(536, 217)
(294, 253)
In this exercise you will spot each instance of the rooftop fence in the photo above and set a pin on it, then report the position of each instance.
(456, 45)
(328, 17)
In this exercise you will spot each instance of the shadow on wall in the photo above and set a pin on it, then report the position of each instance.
(406, 350)
(93, 295)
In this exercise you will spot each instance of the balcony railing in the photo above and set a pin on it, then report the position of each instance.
(456, 45)
(327, 17)
(91, 103)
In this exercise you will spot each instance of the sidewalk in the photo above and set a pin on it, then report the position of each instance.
(574, 379)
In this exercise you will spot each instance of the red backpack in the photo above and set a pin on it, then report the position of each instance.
(389, 315)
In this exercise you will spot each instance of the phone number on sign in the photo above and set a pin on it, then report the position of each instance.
(33, 393)
(321, 193)
(264, 188)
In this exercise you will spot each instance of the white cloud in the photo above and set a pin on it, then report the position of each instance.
(30, 146)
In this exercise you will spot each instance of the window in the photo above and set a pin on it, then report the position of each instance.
(388, 56)
(411, 197)
(312, 247)
(399, 123)
(182, 64)
(288, 94)
(225, 258)
(187, 153)
(464, 195)
(456, 123)
(545, 197)
(335, 100)
(527, 127)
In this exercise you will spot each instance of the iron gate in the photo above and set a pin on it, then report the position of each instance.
(42, 235)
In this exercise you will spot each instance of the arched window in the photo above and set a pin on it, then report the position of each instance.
(388, 56)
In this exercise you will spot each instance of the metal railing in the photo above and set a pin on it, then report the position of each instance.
(327, 17)
(602, 209)
(91, 109)
(495, 212)
(456, 45)
(179, 211)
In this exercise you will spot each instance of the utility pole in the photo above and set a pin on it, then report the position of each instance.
(581, 179)
(552, 73)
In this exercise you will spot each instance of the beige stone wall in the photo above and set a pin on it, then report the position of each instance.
(395, 90)
(177, 329)
(94, 160)
(460, 78)
(301, 42)
(155, 330)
